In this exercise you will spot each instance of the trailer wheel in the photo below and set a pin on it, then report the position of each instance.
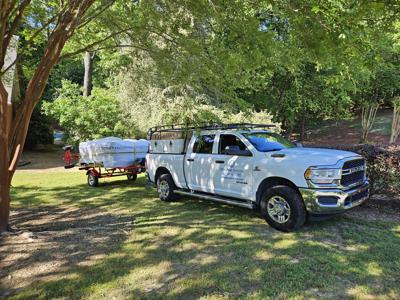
(131, 177)
(283, 208)
(166, 187)
(92, 180)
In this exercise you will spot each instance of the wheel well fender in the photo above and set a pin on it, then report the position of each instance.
(160, 171)
(270, 182)
(94, 172)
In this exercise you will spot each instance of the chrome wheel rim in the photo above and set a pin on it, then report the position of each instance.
(91, 179)
(278, 209)
(163, 189)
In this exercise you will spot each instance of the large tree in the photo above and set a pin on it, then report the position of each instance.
(51, 23)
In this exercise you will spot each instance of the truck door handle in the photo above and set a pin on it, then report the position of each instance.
(190, 159)
(219, 162)
(278, 155)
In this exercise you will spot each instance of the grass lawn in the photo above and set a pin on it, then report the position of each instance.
(125, 243)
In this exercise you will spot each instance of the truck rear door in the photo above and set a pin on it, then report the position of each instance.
(233, 173)
(198, 163)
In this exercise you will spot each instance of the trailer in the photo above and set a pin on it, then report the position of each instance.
(96, 171)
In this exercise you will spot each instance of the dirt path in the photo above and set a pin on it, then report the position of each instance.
(348, 132)
(48, 159)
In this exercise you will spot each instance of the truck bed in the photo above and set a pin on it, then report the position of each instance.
(172, 162)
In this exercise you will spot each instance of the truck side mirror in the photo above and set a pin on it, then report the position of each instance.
(235, 150)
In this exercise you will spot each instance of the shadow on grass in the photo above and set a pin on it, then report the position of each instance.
(192, 248)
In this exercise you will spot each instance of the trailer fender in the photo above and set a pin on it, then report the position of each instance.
(93, 171)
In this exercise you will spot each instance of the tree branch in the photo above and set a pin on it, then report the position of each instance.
(124, 46)
(96, 14)
(90, 46)
(8, 68)
(14, 24)
(51, 20)
(68, 21)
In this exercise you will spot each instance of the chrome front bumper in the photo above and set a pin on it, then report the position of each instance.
(316, 202)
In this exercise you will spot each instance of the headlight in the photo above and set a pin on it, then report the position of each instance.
(322, 176)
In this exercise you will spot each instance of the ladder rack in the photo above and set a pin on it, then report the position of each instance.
(215, 126)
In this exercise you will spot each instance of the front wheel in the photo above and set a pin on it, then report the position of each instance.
(283, 208)
(166, 187)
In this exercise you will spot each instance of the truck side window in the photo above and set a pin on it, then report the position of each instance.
(230, 140)
(204, 144)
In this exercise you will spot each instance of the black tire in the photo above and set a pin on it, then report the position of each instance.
(92, 180)
(165, 181)
(290, 214)
(131, 177)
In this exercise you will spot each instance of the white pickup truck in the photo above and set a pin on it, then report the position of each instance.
(249, 166)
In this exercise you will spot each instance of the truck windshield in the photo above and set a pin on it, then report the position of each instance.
(268, 141)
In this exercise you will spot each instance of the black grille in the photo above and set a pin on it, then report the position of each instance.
(352, 178)
(356, 197)
(353, 163)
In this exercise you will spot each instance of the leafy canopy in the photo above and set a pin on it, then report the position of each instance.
(86, 118)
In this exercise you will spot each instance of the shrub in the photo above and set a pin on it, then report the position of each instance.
(85, 118)
(383, 166)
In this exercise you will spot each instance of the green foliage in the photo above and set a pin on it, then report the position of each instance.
(384, 82)
(304, 61)
(302, 96)
(147, 101)
(85, 118)
(192, 61)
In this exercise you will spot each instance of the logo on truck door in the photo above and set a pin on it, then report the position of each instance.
(231, 173)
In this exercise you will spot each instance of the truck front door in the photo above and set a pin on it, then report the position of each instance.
(233, 172)
(198, 164)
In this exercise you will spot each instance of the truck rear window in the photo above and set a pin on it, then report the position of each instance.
(268, 141)
(204, 144)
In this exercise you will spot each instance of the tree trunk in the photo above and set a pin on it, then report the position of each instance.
(394, 134)
(303, 127)
(9, 159)
(87, 80)
(368, 114)
(4, 157)
(4, 203)
(14, 126)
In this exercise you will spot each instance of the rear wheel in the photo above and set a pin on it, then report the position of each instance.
(166, 187)
(92, 180)
(131, 177)
(283, 208)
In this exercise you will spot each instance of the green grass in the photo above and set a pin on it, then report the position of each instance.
(197, 249)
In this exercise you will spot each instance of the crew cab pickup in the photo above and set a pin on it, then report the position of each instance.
(250, 166)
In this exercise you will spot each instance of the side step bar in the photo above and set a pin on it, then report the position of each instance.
(216, 199)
